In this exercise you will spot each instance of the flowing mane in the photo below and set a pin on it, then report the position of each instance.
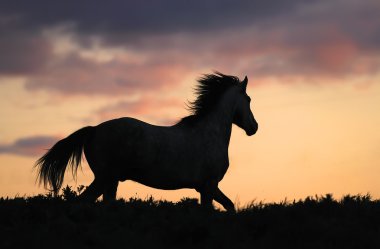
(209, 90)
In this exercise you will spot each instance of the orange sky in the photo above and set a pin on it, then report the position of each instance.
(313, 74)
(311, 141)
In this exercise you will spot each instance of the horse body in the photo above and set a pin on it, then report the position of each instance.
(190, 154)
(156, 156)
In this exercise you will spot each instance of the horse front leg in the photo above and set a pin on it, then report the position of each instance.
(224, 201)
(207, 192)
(206, 200)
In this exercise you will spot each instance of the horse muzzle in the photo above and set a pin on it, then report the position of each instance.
(252, 129)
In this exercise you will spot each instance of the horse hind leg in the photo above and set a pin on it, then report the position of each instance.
(92, 192)
(110, 190)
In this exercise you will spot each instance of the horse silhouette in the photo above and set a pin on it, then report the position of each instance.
(190, 154)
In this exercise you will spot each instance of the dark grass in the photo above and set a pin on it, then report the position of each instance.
(61, 222)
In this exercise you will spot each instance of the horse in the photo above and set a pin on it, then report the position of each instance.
(192, 153)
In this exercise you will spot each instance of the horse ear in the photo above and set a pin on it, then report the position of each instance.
(244, 83)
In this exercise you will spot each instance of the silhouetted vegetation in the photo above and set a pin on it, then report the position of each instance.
(47, 221)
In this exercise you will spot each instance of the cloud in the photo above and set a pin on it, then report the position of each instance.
(119, 47)
(29, 146)
(78, 75)
(23, 54)
(135, 17)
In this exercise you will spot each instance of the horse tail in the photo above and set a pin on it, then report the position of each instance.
(68, 151)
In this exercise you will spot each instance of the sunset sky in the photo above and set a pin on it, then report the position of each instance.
(314, 80)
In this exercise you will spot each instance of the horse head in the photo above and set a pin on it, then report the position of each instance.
(243, 116)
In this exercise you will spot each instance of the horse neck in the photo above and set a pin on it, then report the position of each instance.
(220, 120)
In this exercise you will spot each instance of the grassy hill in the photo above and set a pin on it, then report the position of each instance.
(61, 222)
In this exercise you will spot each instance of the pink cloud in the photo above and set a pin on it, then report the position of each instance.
(76, 75)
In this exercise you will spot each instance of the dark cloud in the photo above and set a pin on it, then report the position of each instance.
(314, 39)
(131, 22)
(23, 53)
(29, 146)
(154, 16)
